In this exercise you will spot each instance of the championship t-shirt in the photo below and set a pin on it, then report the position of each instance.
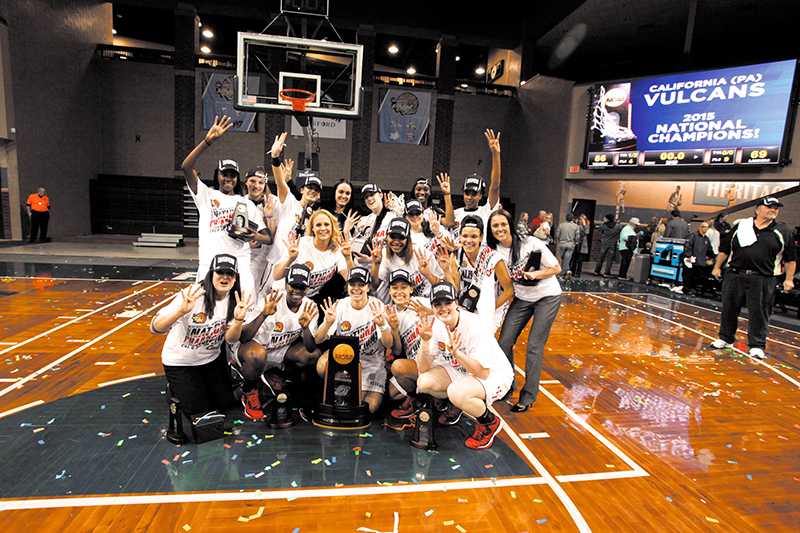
(420, 285)
(282, 329)
(290, 212)
(474, 343)
(484, 211)
(216, 211)
(358, 323)
(481, 275)
(545, 287)
(195, 338)
(363, 230)
(409, 328)
(324, 264)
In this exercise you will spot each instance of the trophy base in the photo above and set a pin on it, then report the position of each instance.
(281, 415)
(330, 417)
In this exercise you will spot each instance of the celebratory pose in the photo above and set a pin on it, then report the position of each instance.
(372, 227)
(458, 361)
(361, 316)
(255, 181)
(537, 294)
(217, 209)
(195, 322)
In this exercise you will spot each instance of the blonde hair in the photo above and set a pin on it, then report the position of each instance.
(336, 234)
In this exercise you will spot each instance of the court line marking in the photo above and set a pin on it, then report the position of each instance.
(105, 363)
(600, 476)
(9, 380)
(559, 491)
(528, 436)
(700, 307)
(125, 380)
(65, 324)
(787, 377)
(21, 408)
(739, 330)
(103, 280)
(592, 431)
(63, 358)
(290, 494)
(7, 343)
(549, 382)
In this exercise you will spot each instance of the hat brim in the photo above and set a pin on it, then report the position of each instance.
(357, 279)
(773, 205)
(440, 299)
(225, 270)
(400, 280)
(297, 285)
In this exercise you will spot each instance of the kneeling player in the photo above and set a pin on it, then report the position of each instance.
(361, 316)
(459, 361)
(282, 332)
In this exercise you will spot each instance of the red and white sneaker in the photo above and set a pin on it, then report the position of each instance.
(251, 405)
(404, 410)
(484, 434)
(450, 416)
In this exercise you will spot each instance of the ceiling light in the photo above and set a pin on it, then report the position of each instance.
(205, 49)
(208, 34)
(113, 31)
(523, 82)
(393, 49)
(199, 24)
(458, 58)
(464, 85)
(480, 71)
(411, 71)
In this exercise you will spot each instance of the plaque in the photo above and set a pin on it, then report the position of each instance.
(341, 406)
(423, 428)
(240, 227)
(469, 298)
(534, 263)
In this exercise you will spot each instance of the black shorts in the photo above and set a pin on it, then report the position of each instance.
(202, 388)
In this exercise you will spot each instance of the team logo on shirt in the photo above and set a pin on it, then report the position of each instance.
(310, 265)
(215, 202)
(278, 327)
(345, 325)
(442, 347)
(199, 318)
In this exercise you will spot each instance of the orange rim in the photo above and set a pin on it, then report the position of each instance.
(299, 100)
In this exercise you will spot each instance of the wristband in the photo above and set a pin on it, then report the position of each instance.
(207, 142)
(276, 161)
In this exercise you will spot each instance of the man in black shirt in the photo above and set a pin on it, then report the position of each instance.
(756, 249)
(698, 261)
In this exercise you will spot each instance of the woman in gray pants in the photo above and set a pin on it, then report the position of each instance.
(537, 293)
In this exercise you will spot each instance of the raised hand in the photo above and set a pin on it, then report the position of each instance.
(426, 327)
(271, 302)
(221, 125)
(350, 222)
(308, 314)
(377, 252)
(391, 317)
(190, 295)
(444, 182)
(448, 243)
(422, 261)
(443, 258)
(292, 245)
(377, 313)
(346, 248)
(288, 168)
(278, 145)
(421, 309)
(455, 341)
(433, 221)
(492, 140)
(329, 310)
(242, 304)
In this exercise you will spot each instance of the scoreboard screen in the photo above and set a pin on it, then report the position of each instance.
(727, 117)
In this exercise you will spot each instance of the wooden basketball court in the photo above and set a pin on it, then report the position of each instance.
(637, 427)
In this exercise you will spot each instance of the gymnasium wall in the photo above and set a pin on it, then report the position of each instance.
(56, 92)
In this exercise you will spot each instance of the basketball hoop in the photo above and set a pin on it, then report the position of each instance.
(299, 100)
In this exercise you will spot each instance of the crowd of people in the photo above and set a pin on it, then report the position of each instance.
(426, 291)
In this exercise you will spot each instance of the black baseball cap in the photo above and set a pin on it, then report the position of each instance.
(473, 183)
(259, 171)
(472, 221)
(298, 275)
(359, 274)
(442, 292)
(311, 179)
(771, 201)
(399, 226)
(426, 181)
(224, 264)
(369, 188)
(413, 207)
(228, 164)
(399, 275)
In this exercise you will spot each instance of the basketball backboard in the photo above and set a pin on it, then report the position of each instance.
(266, 65)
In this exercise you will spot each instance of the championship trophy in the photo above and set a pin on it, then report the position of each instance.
(341, 406)
(423, 427)
(240, 227)
(469, 298)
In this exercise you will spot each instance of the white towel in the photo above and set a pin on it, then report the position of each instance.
(745, 232)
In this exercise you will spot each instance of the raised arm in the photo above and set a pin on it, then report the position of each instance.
(277, 170)
(221, 125)
(170, 314)
(444, 184)
(424, 359)
(292, 251)
(494, 180)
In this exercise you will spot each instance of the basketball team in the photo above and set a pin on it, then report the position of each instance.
(427, 293)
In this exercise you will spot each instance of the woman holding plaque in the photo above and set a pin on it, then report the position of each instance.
(537, 293)
(364, 317)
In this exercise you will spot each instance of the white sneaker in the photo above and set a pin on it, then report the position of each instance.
(758, 353)
(720, 344)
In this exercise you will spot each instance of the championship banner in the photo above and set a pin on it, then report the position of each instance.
(723, 193)
(404, 117)
(324, 128)
(217, 98)
(731, 116)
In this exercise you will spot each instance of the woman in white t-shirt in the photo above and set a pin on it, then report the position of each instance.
(322, 250)
(371, 228)
(459, 361)
(537, 293)
(255, 181)
(361, 316)
(426, 232)
(400, 253)
(195, 322)
(217, 209)
(479, 269)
